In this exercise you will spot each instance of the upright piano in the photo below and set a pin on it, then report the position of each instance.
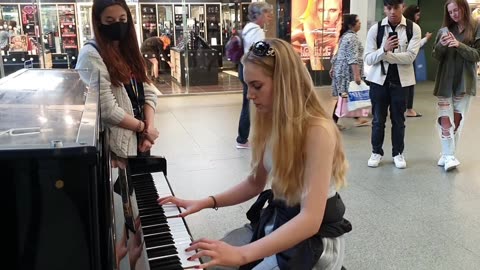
(66, 208)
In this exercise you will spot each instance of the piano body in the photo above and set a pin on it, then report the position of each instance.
(64, 210)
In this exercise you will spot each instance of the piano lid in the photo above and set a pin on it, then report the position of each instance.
(47, 108)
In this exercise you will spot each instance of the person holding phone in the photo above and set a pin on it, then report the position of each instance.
(390, 75)
(412, 13)
(457, 48)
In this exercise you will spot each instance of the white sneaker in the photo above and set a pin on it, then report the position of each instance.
(399, 161)
(243, 145)
(441, 161)
(374, 160)
(451, 163)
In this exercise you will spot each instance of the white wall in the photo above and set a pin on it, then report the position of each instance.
(365, 9)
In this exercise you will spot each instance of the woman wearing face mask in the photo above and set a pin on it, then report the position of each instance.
(127, 101)
(127, 97)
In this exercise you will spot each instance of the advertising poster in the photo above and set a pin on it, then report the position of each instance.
(315, 28)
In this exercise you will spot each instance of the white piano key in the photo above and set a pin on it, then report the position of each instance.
(163, 191)
(178, 230)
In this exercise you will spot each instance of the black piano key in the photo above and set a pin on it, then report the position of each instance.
(142, 177)
(147, 221)
(158, 240)
(169, 263)
(156, 229)
(161, 251)
(157, 209)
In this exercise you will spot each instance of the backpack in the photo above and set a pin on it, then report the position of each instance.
(381, 32)
(234, 47)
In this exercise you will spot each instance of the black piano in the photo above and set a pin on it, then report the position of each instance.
(66, 208)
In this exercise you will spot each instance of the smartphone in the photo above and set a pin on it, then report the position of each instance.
(393, 34)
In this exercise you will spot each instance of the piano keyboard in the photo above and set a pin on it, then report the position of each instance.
(165, 234)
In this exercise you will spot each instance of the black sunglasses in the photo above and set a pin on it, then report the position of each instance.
(262, 48)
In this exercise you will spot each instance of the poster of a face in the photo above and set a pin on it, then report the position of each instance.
(315, 28)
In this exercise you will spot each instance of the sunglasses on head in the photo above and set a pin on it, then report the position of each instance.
(262, 48)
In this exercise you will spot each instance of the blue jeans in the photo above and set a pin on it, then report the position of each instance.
(244, 123)
(394, 97)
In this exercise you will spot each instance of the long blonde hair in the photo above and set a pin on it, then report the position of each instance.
(295, 107)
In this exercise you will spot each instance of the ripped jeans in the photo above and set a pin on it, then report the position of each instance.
(451, 117)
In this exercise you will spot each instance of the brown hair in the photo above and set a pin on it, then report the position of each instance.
(470, 25)
(126, 60)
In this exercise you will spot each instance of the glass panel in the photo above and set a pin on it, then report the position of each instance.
(228, 21)
(134, 11)
(179, 23)
(68, 29)
(197, 13)
(149, 20)
(49, 21)
(30, 20)
(165, 21)
(213, 25)
(86, 31)
(11, 18)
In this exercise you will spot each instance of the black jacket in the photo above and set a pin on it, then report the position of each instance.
(304, 255)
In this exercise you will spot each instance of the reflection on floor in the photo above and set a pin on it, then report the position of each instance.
(417, 218)
(227, 82)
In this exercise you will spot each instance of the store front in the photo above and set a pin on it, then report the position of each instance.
(50, 33)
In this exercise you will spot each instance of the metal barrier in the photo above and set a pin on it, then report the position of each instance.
(28, 64)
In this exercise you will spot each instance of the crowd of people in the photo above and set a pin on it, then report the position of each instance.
(296, 147)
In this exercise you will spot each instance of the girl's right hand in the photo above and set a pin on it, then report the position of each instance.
(190, 206)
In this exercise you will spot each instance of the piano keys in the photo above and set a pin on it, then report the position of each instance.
(166, 235)
(62, 211)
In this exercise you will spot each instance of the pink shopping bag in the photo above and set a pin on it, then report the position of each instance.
(342, 109)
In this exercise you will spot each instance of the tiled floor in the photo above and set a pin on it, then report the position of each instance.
(227, 83)
(417, 218)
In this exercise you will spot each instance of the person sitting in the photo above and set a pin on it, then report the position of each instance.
(297, 147)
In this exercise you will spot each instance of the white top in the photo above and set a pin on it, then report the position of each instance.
(403, 56)
(251, 33)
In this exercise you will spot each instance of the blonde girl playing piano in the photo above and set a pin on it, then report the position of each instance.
(297, 147)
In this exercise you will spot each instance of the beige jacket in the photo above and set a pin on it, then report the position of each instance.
(114, 102)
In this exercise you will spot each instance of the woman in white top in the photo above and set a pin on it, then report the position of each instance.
(297, 147)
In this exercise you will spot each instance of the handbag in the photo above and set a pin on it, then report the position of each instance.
(358, 96)
(343, 112)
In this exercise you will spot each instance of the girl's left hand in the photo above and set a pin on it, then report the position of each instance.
(220, 253)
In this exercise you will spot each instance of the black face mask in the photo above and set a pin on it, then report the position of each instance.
(114, 31)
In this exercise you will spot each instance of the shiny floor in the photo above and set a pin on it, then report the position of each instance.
(417, 218)
(227, 83)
